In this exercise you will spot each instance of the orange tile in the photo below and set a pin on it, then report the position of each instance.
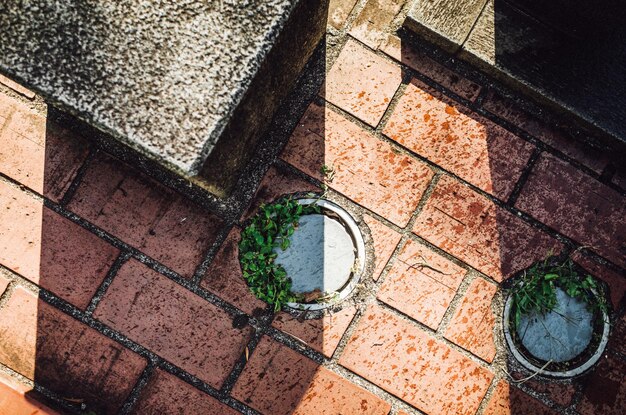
(321, 334)
(362, 83)
(421, 284)
(279, 381)
(481, 234)
(385, 241)
(473, 322)
(468, 145)
(405, 361)
(404, 53)
(367, 170)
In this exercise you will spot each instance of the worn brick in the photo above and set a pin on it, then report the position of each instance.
(225, 279)
(145, 214)
(278, 182)
(605, 390)
(453, 137)
(618, 334)
(279, 381)
(166, 394)
(473, 322)
(561, 393)
(507, 400)
(615, 280)
(421, 284)
(419, 369)
(37, 153)
(16, 87)
(321, 334)
(367, 170)
(384, 240)
(374, 20)
(173, 322)
(578, 206)
(338, 12)
(404, 53)
(362, 83)
(472, 228)
(15, 399)
(50, 250)
(65, 355)
(508, 110)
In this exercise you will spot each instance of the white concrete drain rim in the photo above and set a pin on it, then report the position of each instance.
(359, 245)
(554, 373)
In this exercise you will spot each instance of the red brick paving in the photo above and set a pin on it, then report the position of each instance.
(166, 394)
(321, 334)
(14, 399)
(362, 83)
(421, 284)
(145, 214)
(367, 170)
(605, 390)
(370, 26)
(591, 157)
(561, 393)
(174, 323)
(472, 228)
(76, 361)
(225, 279)
(277, 380)
(454, 385)
(278, 182)
(616, 341)
(472, 325)
(470, 146)
(508, 400)
(35, 153)
(50, 250)
(385, 241)
(436, 368)
(463, 87)
(615, 281)
(578, 206)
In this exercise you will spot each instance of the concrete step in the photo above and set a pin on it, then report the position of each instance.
(192, 85)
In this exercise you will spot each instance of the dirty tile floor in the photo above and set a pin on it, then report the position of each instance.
(122, 295)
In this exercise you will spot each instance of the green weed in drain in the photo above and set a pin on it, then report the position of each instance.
(535, 291)
(271, 228)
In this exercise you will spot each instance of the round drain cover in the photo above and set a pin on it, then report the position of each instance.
(560, 335)
(326, 256)
(320, 257)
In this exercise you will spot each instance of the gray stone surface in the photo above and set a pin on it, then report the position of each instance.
(163, 76)
(559, 335)
(321, 255)
(446, 23)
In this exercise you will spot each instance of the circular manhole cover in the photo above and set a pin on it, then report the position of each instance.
(326, 256)
(564, 342)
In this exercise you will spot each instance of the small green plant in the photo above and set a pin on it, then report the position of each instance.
(270, 229)
(328, 172)
(535, 291)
